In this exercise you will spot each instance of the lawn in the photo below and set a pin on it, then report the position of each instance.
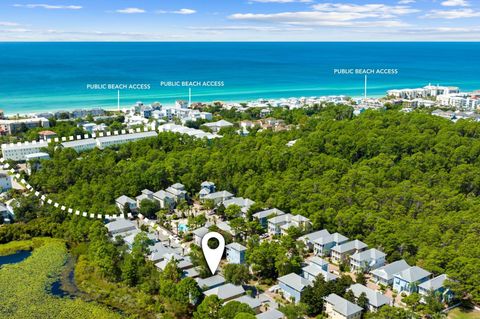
(462, 313)
(24, 287)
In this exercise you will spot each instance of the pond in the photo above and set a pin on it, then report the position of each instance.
(15, 258)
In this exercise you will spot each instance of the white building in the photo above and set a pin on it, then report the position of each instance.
(113, 140)
(19, 151)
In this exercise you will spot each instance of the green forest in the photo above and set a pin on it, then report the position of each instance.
(407, 184)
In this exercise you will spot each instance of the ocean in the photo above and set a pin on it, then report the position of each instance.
(38, 77)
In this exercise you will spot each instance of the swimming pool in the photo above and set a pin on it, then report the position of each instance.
(182, 228)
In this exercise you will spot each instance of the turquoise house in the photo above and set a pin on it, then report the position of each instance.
(408, 280)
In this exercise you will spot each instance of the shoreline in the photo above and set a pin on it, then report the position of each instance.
(171, 104)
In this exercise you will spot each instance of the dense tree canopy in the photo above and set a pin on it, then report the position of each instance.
(405, 183)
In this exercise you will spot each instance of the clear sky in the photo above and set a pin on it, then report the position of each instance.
(239, 20)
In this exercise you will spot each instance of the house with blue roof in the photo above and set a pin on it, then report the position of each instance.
(236, 253)
(408, 280)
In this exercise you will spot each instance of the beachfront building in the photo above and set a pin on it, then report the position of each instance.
(324, 244)
(409, 279)
(19, 151)
(376, 300)
(236, 253)
(16, 126)
(367, 260)
(292, 286)
(342, 252)
(337, 307)
(384, 275)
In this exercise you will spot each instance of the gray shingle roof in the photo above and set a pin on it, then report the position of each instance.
(349, 246)
(271, 314)
(413, 274)
(368, 255)
(226, 291)
(434, 283)
(122, 200)
(342, 306)
(375, 298)
(200, 232)
(315, 235)
(387, 272)
(295, 281)
(210, 281)
(252, 302)
(120, 225)
(315, 271)
(236, 246)
(268, 212)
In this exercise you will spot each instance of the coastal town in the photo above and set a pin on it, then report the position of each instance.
(347, 277)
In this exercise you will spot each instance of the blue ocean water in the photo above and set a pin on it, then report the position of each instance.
(51, 76)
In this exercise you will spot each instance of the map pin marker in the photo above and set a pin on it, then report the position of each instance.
(213, 256)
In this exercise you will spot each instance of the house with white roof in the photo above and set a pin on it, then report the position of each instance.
(323, 245)
(437, 286)
(183, 262)
(217, 126)
(264, 215)
(292, 286)
(409, 279)
(198, 235)
(312, 271)
(243, 203)
(384, 275)
(376, 300)
(279, 225)
(367, 260)
(177, 191)
(218, 197)
(123, 200)
(146, 195)
(226, 292)
(165, 199)
(309, 239)
(120, 226)
(337, 307)
(342, 252)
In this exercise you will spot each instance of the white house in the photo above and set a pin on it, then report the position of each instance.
(337, 307)
(367, 260)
